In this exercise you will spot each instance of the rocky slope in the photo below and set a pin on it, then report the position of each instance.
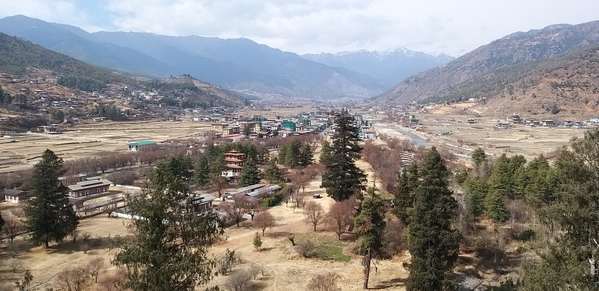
(515, 52)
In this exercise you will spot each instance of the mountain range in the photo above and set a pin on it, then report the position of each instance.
(498, 68)
(389, 66)
(237, 64)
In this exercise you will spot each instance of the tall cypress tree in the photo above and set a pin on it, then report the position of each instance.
(50, 216)
(342, 177)
(169, 248)
(370, 223)
(433, 244)
(250, 174)
(404, 194)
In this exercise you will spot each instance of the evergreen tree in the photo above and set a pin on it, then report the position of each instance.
(169, 248)
(306, 157)
(342, 177)
(273, 174)
(325, 153)
(495, 207)
(50, 216)
(291, 153)
(370, 223)
(404, 193)
(202, 171)
(476, 191)
(250, 174)
(217, 166)
(479, 157)
(432, 242)
(500, 187)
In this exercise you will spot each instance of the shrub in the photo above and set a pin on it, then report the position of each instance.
(257, 240)
(239, 281)
(526, 235)
(306, 249)
(326, 282)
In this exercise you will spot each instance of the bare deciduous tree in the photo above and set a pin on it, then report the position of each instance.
(263, 220)
(12, 227)
(15, 264)
(314, 213)
(94, 267)
(77, 279)
(340, 217)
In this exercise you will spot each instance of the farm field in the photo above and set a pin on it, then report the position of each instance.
(520, 139)
(21, 151)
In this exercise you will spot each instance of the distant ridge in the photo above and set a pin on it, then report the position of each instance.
(390, 66)
(445, 82)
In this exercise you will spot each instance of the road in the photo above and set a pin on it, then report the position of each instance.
(416, 139)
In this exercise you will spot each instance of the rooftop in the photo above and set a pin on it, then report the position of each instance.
(89, 184)
(142, 143)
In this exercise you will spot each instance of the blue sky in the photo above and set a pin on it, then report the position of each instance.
(454, 27)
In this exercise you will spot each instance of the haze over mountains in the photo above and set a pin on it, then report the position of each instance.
(388, 66)
(238, 64)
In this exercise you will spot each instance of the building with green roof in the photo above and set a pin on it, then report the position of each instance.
(137, 146)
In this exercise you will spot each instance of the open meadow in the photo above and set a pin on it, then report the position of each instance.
(21, 151)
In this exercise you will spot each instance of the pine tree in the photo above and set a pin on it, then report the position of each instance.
(404, 193)
(342, 177)
(202, 171)
(370, 223)
(50, 216)
(306, 157)
(292, 153)
(325, 153)
(250, 174)
(169, 248)
(273, 174)
(479, 157)
(257, 240)
(432, 242)
(476, 191)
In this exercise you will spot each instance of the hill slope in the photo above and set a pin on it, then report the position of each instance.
(566, 86)
(18, 56)
(389, 66)
(238, 64)
(514, 49)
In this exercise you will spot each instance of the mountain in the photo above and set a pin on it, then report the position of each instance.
(518, 50)
(21, 57)
(238, 64)
(389, 66)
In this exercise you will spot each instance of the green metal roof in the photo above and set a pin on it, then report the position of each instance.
(142, 143)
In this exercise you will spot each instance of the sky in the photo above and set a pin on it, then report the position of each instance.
(454, 27)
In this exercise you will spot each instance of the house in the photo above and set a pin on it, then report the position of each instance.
(202, 202)
(72, 179)
(290, 125)
(231, 130)
(89, 189)
(218, 127)
(16, 196)
(137, 146)
(234, 161)
(369, 134)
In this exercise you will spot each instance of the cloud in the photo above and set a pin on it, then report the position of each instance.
(302, 26)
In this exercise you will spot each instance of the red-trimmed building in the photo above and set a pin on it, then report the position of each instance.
(234, 161)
